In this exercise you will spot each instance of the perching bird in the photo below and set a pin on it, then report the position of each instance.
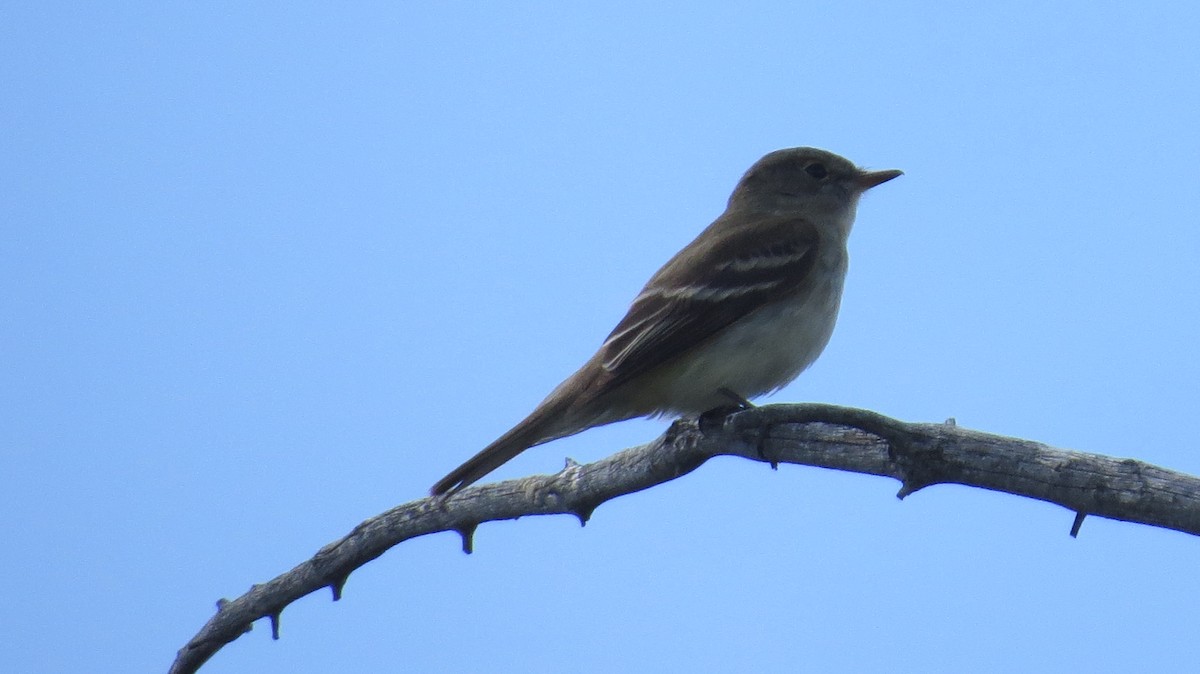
(739, 312)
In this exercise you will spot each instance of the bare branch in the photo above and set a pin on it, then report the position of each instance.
(918, 455)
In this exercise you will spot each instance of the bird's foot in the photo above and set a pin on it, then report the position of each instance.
(715, 417)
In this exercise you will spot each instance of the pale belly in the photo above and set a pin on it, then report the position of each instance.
(759, 354)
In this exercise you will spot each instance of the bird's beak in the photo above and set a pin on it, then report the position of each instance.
(868, 179)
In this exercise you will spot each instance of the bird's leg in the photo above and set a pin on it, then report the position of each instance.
(738, 403)
(743, 404)
(715, 416)
(737, 398)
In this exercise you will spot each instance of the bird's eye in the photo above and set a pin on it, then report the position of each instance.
(816, 170)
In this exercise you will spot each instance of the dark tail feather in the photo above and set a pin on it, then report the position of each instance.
(540, 426)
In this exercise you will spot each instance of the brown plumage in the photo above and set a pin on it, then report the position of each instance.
(745, 307)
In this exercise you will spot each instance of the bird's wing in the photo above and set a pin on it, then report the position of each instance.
(701, 291)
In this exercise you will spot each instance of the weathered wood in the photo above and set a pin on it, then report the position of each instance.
(842, 438)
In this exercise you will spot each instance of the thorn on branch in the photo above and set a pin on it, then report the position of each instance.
(222, 603)
(467, 532)
(1077, 523)
(570, 470)
(584, 513)
(570, 463)
(337, 585)
(909, 486)
(761, 449)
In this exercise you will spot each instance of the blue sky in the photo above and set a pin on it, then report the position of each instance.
(268, 270)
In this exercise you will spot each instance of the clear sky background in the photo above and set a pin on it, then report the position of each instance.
(268, 269)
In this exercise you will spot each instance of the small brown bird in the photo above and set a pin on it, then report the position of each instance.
(739, 312)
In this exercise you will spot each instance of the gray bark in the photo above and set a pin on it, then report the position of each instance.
(916, 454)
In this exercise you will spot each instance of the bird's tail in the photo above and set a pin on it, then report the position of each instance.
(548, 422)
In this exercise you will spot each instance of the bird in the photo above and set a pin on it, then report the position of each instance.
(738, 313)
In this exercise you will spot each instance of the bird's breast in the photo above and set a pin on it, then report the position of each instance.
(759, 353)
